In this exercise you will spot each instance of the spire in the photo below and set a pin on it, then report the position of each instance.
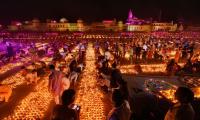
(130, 14)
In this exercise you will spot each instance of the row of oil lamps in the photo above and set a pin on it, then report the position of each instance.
(89, 97)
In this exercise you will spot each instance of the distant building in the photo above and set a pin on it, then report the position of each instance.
(133, 20)
(193, 28)
(139, 28)
(132, 24)
(50, 25)
(135, 24)
(164, 27)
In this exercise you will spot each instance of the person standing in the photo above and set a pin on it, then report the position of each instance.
(73, 72)
(55, 83)
(144, 54)
(65, 83)
(177, 55)
(33, 51)
(120, 111)
(183, 110)
(107, 55)
(65, 111)
(131, 54)
(191, 50)
(10, 51)
(116, 48)
(138, 52)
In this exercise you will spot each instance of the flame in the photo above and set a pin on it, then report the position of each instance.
(149, 68)
(35, 105)
(145, 68)
(169, 94)
(9, 66)
(196, 92)
(89, 97)
(21, 62)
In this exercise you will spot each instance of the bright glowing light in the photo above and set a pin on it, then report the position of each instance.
(14, 80)
(34, 106)
(194, 83)
(149, 68)
(166, 90)
(169, 94)
(101, 51)
(89, 97)
(18, 79)
(9, 66)
(21, 62)
(161, 89)
(196, 92)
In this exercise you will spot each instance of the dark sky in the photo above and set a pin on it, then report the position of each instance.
(97, 10)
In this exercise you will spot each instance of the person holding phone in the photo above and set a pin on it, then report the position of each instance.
(66, 111)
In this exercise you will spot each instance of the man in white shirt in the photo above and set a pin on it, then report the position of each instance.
(55, 83)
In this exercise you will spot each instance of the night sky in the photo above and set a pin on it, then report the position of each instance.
(97, 10)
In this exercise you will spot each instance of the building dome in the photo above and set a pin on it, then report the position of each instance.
(63, 20)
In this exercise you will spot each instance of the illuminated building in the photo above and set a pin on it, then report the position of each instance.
(135, 24)
(15, 25)
(120, 25)
(164, 27)
(57, 26)
(50, 25)
(107, 25)
(133, 20)
(80, 25)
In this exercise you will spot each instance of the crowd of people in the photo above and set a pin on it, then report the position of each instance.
(66, 66)
(148, 49)
(189, 68)
(141, 105)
